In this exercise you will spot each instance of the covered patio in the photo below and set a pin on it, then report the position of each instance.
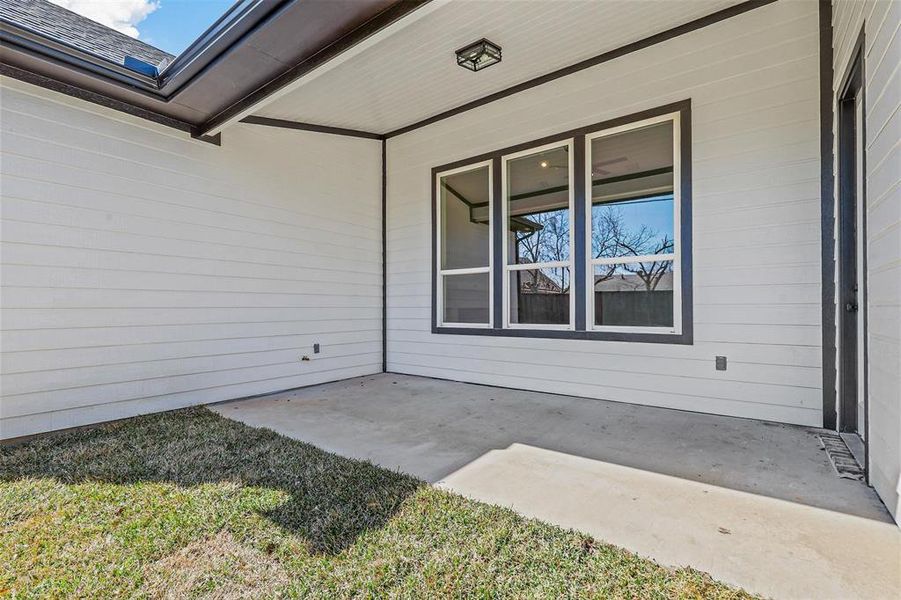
(753, 503)
(620, 266)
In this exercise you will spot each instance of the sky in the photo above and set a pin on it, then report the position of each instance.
(170, 25)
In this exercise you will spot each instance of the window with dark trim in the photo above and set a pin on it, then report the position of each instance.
(585, 234)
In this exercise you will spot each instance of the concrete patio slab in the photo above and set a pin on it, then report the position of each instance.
(755, 504)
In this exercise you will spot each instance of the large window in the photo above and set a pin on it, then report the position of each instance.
(586, 234)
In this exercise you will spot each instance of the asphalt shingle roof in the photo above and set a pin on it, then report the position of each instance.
(89, 36)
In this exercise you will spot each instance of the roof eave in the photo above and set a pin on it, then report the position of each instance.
(15, 37)
(42, 60)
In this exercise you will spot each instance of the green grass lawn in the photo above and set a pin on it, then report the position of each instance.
(188, 504)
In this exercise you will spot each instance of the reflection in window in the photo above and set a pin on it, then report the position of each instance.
(633, 218)
(634, 294)
(639, 227)
(540, 296)
(538, 207)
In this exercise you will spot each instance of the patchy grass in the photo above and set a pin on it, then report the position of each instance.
(188, 504)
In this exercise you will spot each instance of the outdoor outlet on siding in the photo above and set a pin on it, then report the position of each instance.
(720, 363)
(316, 348)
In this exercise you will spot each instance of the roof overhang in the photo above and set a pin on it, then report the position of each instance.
(253, 50)
(346, 66)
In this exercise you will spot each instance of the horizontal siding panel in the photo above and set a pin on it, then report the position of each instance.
(618, 367)
(42, 318)
(67, 379)
(73, 358)
(52, 213)
(194, 182)
(33, 253)
(315, 281)
(58, 297)
(52, 238)
(145, 271)
(83, 415)
(771, 412)
(620, 382)
(760, 354)
(54, 400)
(41, 339)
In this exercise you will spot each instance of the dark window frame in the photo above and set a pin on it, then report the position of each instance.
(582, 332)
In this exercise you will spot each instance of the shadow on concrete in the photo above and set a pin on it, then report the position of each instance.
(431, 428)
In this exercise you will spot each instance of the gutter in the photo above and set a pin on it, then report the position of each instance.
(243, 18)
(213, 45)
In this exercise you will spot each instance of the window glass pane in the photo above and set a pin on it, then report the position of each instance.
(540, 296)
(466, 298)
(632, 192)
(538, 207)
(634, 294)
(465, 219)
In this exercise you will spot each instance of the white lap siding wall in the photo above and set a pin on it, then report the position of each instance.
(882, 55)
(143, 271)
(753, 85)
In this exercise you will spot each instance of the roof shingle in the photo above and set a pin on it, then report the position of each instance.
(89, 36)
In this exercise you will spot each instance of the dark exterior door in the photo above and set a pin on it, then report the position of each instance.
(852, 255)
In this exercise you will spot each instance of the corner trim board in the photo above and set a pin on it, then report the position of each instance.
(827, 216)
(384, 256)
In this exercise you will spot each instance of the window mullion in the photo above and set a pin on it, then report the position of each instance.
(579, 233)
(499, 241)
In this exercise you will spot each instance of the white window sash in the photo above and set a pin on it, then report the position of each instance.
(439, 241)
(468, 271)
(674, 257)
(508, 268)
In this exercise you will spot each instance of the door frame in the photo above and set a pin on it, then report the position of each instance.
(851, 92)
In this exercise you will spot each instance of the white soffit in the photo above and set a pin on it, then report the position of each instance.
(412, 74)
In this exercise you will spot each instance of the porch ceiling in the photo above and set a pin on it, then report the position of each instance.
(411, 74)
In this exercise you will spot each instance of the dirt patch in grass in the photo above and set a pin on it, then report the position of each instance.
(215, 568)
(190, 504)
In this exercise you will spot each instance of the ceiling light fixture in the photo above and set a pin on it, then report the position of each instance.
(478, 55)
